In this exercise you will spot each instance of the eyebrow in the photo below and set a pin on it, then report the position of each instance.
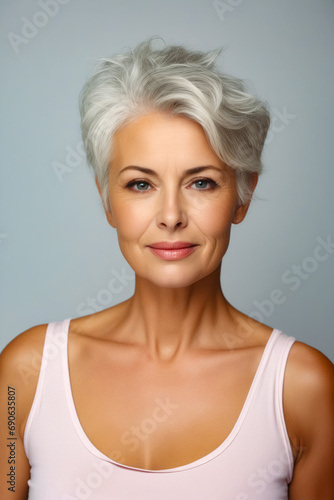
(190, 171)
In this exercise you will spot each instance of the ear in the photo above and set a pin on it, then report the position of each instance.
(108, 213)
(241, 210)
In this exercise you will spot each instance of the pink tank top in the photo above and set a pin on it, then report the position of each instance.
(255, 462)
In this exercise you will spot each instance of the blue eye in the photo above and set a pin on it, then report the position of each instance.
(138, 183)
(212, 183)
(142, 186)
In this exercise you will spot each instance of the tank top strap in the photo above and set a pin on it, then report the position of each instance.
(280, 353)
(56, 341)
(274, 363)
(267, 403)
(269, 376)
(51, 369)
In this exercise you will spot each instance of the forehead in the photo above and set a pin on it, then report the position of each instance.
(162, 136)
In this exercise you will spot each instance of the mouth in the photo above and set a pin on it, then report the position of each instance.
(176, 245)
(172, 251)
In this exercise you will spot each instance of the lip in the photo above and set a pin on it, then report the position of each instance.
(172, 251)
(172, 245)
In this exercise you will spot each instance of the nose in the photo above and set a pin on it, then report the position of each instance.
(171, 212)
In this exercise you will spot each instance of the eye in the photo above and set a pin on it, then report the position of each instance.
(142, 185)
(203, 183)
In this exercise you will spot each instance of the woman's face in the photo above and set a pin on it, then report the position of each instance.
(156, 196)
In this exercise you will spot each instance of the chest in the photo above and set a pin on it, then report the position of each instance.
(145, 415)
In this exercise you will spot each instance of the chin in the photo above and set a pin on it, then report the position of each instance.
(173, 280)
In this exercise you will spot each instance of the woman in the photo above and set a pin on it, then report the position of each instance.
(173, 393)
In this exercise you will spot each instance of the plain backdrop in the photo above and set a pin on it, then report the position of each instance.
(60, 258)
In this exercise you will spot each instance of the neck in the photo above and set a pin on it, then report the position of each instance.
(171, 321)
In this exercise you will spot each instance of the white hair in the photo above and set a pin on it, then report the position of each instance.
(178, 81)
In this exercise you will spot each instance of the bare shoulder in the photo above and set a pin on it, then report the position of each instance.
(20, 363)
(25, 349)
(308, 394)
(309, 368)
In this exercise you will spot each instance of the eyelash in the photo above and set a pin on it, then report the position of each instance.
(130, 184)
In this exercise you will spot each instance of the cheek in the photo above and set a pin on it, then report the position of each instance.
(215, 220)
(131, 219)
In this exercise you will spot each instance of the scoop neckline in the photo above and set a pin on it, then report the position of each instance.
(196, 463)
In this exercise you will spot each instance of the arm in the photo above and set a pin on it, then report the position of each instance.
(19, 370)
(309, 409)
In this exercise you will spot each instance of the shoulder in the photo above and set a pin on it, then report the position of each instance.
(20, 363)
(309, 368)
(24, 349)
(308, 394)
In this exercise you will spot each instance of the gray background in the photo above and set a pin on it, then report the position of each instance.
(57, 251)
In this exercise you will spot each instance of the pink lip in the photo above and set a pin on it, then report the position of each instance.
(169, 245)
(172, 251)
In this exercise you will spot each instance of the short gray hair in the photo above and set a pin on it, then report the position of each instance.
(178, 81)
